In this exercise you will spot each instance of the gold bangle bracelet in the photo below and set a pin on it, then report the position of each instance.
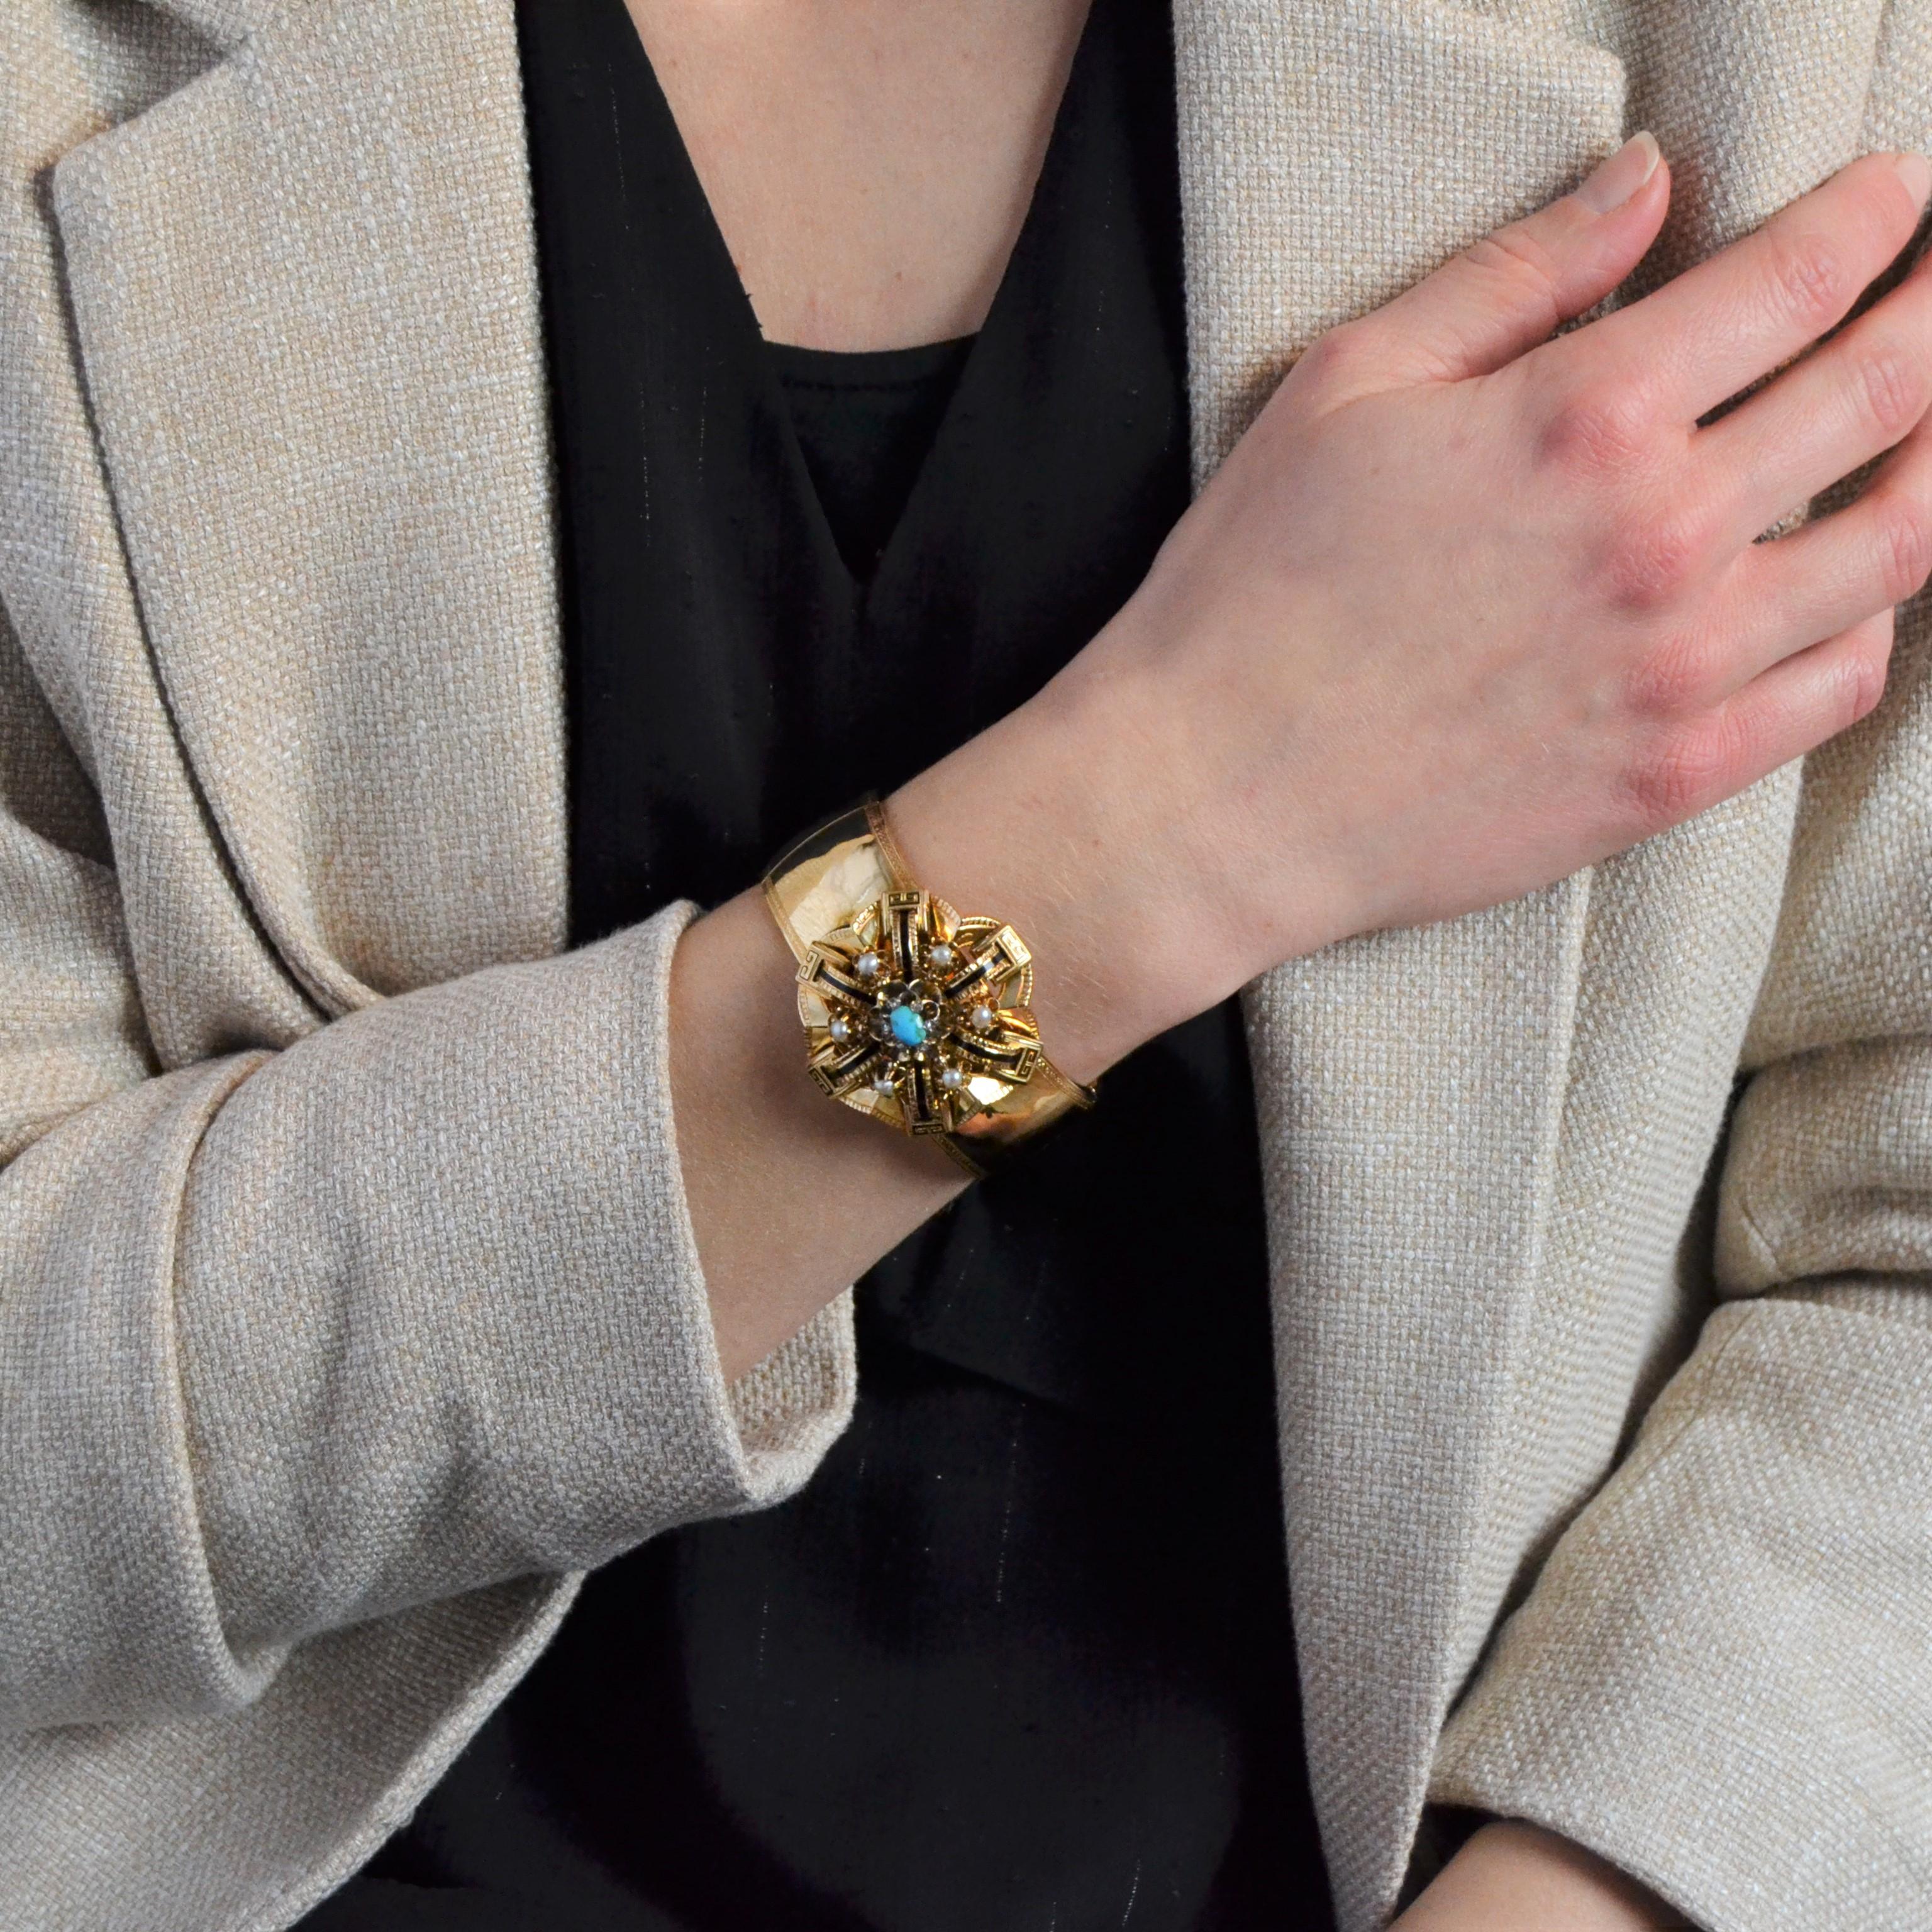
(913, 1013)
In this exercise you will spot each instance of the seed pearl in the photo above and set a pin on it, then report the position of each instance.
(983, 1019)
(882, 1084)
(953, 1077)
(941, 955)
(840, 1030)
(866, 965)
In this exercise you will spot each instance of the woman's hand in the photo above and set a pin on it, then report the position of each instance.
(1515, 1877)
(1469, 607)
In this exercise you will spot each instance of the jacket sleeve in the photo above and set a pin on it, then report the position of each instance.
(303, 1322)
(292, 1339)
(1721, 1680)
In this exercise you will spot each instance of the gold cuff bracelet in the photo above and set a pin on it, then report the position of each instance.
(912, 1014)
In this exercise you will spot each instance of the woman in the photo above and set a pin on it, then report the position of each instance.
(358, 1295)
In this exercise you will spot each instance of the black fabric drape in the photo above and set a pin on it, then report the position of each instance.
(1020, 1654)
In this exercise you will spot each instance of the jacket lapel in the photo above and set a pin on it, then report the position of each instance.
(305, 289)
(1410, 1085)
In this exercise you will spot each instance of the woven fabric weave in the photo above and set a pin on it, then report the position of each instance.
(350, 1305)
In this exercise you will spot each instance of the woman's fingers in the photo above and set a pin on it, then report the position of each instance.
(1510, 291)
(1793, 708)
(1714, 330)
(1850, 399)
(1843, 569)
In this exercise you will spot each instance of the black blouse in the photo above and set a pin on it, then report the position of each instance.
(1019, 1654)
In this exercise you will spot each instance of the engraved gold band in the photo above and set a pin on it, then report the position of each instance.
(913, 1013)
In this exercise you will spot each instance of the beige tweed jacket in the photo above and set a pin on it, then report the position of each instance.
(349, 1305)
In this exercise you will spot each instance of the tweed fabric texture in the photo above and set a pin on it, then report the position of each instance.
(350, 1304)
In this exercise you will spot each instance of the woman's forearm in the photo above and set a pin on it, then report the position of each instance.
(1513, 1877)
(792, 1197)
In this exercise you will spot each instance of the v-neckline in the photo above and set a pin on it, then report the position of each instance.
(760, 367)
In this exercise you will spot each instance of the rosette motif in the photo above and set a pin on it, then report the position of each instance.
(917, 1016)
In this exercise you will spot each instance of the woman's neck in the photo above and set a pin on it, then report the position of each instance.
(868, 162)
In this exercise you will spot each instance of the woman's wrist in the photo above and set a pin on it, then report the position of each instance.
(996, 827)
(1074, 817)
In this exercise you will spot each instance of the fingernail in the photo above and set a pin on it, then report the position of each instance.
(1615, 180)
(1915, 171)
